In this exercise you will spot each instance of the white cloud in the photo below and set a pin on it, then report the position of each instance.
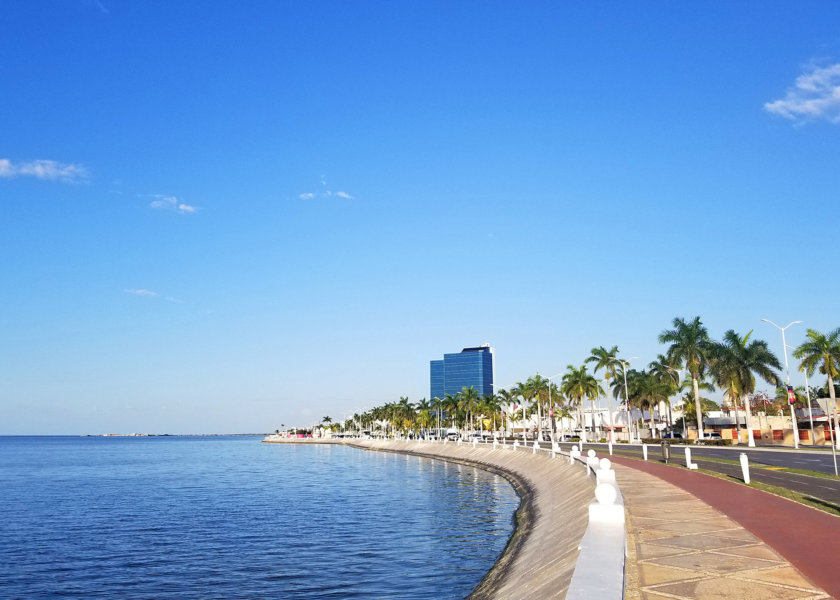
(48, 170)
(325, 194)
(163, 202)
(815, 95)
(142, 292)
(150, 294)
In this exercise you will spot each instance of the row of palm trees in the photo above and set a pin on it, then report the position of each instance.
(733, 364)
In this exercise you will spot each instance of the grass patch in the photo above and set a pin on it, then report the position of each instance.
(753, 465)
(823, 505)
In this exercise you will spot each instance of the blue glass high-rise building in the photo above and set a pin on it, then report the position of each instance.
(469, 367)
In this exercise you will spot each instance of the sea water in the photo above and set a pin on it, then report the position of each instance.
(229, 517)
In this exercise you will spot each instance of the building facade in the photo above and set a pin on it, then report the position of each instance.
(469, 367)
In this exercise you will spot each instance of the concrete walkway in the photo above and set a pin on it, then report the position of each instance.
(680, 546)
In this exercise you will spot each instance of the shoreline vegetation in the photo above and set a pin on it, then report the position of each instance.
(552, 517)
(692, 364)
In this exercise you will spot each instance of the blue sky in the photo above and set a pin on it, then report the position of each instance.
(224, 217)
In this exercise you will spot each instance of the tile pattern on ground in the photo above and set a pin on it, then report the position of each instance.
(679, 548)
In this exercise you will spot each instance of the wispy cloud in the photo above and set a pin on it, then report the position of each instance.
(48, 170)
(164, 202)
(143, 293)
(326, 192)
(815, 95)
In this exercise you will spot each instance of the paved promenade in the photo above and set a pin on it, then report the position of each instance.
(691, 535)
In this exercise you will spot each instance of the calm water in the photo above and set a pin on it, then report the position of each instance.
(233, 518)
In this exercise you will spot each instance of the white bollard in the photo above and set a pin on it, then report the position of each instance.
(515, 444)
(688, 463)
(745, 467)
(610, 445)
(644, 451)
(495, 443)
(573, 454)
(459, 441)
(580, 446)
(475, 441)
(591, 461)
(536, 447)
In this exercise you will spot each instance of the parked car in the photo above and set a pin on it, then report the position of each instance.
(672, 436)
(712, 435)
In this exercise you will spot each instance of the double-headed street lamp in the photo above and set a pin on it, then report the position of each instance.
(787, 371)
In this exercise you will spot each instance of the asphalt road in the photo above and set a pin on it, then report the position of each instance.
(818, 488)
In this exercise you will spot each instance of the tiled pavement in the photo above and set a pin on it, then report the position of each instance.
(680, 547)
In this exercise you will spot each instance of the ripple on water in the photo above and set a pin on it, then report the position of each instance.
(233, 518)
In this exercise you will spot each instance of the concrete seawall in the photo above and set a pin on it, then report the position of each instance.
(540, 558)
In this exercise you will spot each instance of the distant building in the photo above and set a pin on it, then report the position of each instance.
(469, 367)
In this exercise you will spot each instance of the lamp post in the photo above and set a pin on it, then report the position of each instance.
(624, 364)
(787, 371)
(551, 412)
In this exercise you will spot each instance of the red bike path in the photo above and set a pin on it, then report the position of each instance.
(807, 538)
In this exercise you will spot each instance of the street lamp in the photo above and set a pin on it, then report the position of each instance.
(787, 371)
(624, 365)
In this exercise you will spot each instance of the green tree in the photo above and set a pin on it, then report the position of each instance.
(606, 360)
(822, 352)
(578, 385)
(735, 362)
(665, 374)
(468, 400)
(689, 346)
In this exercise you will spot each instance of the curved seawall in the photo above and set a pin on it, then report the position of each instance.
(541, 555)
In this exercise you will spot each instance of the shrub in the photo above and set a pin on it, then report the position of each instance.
(713, 442)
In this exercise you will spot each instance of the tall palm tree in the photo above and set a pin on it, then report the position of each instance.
(664, 373)
(526, 390)
(578, 385)
(823, 352)
(491, 404)
(508, 398)
(689, 346)
(469, 399)
(650, 393)
(734, 364)
(606, 360)
(539, 386)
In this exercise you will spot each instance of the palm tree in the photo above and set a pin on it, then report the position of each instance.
(469, 399)
(539, 386)
(662, 371)
(490, 403)
(734, 364)
(579, 385)
(606, 360)
(650, 391)
(689, 346)
(526, 390)
(508, 397)
(823, 352)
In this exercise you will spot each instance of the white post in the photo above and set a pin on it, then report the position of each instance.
(745, 467)
(644, 451)
(610, 445)
(810, 412)
(688, 463)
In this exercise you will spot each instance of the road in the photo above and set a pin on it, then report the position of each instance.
(819, 488)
